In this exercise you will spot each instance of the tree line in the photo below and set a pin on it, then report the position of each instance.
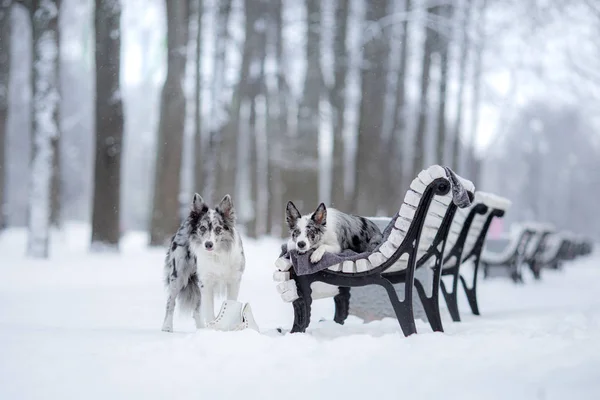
(353, 135)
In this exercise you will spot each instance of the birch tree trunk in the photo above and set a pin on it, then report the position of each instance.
(109, 125)
(465, 44)
(165, 205)
(338, 101)
(369, 177)
(5, 39)
(45, 128)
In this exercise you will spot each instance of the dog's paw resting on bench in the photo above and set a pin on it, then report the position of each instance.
(320, 251)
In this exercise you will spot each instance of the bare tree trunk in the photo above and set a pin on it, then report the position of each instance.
(275, 154)
(5, 39)
(229, 133)
(369, 177)
(109, 125)
(443, 43)
(462, 81)
(395, 173)
(199, 178)
(261, 149)
(246, 91)
(428, 51)
(46, 102)
(301, 175)
(218, 117)
(338, 101)
(165, 206)
(56, 188)
(477, 77)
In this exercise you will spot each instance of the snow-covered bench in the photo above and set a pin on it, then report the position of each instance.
(536, 247)
(465, 244)
(514, 255)
(414, 238)
(555, 251)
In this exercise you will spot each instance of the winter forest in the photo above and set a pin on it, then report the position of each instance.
(114, 112)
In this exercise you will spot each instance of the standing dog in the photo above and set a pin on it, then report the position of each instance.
(330, 230)
(206, 255)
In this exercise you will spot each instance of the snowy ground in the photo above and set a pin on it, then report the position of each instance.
(85, 326)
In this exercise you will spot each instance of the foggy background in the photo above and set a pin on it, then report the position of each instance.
(335, 101)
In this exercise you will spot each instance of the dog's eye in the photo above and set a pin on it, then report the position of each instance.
(311, 236)
(296, 233)
(218, 230)
(202, 229)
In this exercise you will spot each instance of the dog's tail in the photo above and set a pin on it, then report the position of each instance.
(189, 296)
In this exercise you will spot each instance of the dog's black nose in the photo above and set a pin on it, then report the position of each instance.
(301, 245)
(208, 245)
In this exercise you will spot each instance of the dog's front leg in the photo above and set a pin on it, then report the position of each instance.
(233, 290)
(207, 304)
(168, 322)
(316, 256)
(198, 315)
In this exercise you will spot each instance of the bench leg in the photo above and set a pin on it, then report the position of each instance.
(403, 309)
(515, 273)
(471, 292)
(302, 305)
(431, 304)
(536, 269)
(452, 297)
(342, 305)
(471, 295)
(486, 271)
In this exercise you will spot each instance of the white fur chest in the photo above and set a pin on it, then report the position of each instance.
(227, 266)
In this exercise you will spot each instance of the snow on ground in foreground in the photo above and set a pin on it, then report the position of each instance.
(87, 326)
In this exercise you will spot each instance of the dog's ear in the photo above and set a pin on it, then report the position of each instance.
(320, 215)
(198, 204)
(226, 209)
(292, 215)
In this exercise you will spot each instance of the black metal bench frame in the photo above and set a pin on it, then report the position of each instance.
(377, 276)
(451, 297)
(515, 260)
(533, 259)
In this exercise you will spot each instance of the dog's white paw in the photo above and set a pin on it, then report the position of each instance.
(167, 328)
(316, 256)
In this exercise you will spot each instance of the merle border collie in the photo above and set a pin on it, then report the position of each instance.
(330, 230)
(205, 257)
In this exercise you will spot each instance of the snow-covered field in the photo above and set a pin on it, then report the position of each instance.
(87, 326)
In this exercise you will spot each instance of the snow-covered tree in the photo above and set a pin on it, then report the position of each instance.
(165, 201)
(109, 126)
(46, 100)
